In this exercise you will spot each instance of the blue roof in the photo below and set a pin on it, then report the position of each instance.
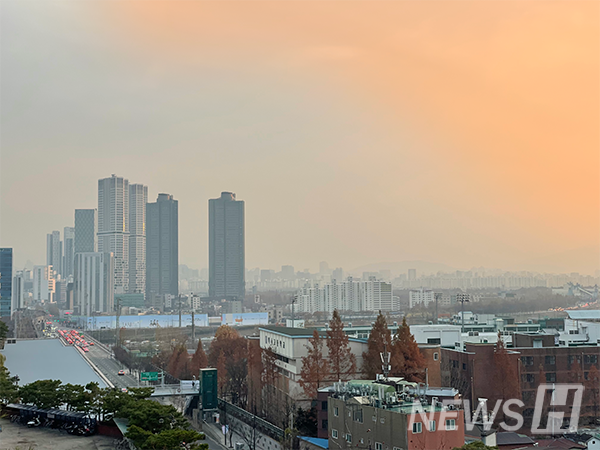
(323, 443)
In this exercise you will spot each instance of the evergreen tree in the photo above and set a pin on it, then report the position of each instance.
(407, 360)
(314, 367)
(380, 338)
(342, 363)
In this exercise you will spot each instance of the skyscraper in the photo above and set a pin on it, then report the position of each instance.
(226, 247)
(6, 275)
(86, 226)
(162, 246)
(43, 284)
(54, 251)
(69, 251)
(93, 283)
(138, 197)
(113, 227)
(18, 291)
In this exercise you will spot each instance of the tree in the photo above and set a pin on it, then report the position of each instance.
(314, 366)
(178, 363)
(306, 422)
(592, 389)
(407, 360)
(9, 391)
(43, 394)
(380, 338)
(199, 360)
(342, 362)
(507, 384)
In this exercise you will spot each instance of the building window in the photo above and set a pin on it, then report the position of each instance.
(335, 411)
(450, 424)
(358, 415)
(378, 446)
(550, 360)
(432, 425)
(551, 377)
(590, 359)
(417, 427)
(464, 366)
(436, 356)
(349, 438)
(334, 434)
(527, 360)
(324, 424)
(573, 358)
(374, 418)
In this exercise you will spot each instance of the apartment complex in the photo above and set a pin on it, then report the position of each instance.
(93, 283)
(349, 295)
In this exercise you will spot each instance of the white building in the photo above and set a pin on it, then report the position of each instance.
(350, 295)
(138, 197)
(291, 345)
(94, 283)
(113, 227)
(18, 295)
(43, 284)
(444, 335)
(421, 297)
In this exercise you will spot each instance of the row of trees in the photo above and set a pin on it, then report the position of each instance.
(339, 363)
(151, 425)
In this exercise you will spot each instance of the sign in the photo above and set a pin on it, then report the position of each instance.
(149, 376)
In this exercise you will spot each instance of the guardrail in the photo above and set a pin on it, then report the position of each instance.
(251, 420)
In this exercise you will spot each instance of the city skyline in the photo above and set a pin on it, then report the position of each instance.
(390, 146)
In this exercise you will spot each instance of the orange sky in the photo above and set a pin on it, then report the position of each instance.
(483, 118)
(504, 94)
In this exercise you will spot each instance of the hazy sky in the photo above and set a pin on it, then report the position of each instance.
(460, 132)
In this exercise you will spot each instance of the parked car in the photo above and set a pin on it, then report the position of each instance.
(121, 372)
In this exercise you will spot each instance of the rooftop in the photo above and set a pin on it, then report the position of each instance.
(589, 314)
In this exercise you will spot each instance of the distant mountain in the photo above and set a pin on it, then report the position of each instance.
(396, 268)
(585, 260)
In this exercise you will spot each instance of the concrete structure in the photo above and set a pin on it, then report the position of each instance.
(54, 251)
(443, 335)
(86, 227)
(6, 278)
(162, 246)
(68, 251)
(349, 295)
(226, 247)
(421, 297)
(291, 345)
(94, 283)
(373, 422)
(113, 226)
(138, 197)
(43, 284)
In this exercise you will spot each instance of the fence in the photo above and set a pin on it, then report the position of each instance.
(252, 420)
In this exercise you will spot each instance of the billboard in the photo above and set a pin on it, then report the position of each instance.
(155, 320)
(243, 319)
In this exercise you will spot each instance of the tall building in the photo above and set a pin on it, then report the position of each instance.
(412, 274)
(18, 291)
(69, 251)
(138, 197)
(6, 275)
(94, 283)
(86, 226)
(113, 226)
(54, 251)
(421, 297)
(43, 284)
(226, 247)
(162, 246)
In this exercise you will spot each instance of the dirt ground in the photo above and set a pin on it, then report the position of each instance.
(19, 437)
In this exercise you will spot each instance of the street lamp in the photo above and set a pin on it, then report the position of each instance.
(462, 298)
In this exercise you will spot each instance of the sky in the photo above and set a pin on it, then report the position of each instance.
(465, 133)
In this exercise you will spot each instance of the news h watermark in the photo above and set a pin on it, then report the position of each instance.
(552, 402)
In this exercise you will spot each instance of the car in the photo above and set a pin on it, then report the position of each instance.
(124, 390)
(121, 372)
(91, 343)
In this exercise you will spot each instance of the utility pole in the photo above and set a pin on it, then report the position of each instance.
(293, 301)
(437, 296)
(462, 298)
(118, 329)
(179, 296)
(193, 328)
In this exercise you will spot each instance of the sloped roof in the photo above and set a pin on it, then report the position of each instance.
(512, 438)
(323, 443)
(590, 314)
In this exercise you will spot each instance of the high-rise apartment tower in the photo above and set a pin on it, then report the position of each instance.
(226, 247)
(162, 246)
